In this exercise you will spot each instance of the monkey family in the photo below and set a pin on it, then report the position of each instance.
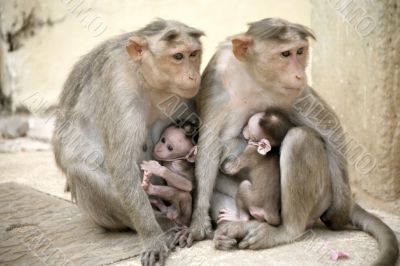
(110, 105)
(260, 196)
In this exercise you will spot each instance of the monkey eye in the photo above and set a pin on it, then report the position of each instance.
(194, 53)
(300, 51)
(178, 56)
(163, 140)
(169, 147)
(285, 53)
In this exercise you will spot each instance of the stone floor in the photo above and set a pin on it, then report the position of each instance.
(37, 170)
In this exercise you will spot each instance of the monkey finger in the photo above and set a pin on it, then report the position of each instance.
(250, 241)
(245, 243)
(223, 242)
(189, 241)
(162, 259)
(152, 258)
(144, 258)
(223, 210)
(183, 241)
(222, 218)
(177, 239)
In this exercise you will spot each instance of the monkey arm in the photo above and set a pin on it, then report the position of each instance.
(232, 148)
(122, 161)
(176, 180)
(232, 167)
(206, 170)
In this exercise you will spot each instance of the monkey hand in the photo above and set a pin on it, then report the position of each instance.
(230, 167)
(157, 248)
(244, 235)
(152, 166)
(200, 229)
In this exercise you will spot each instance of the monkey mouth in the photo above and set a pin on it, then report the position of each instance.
(294, 88)
(156, 157)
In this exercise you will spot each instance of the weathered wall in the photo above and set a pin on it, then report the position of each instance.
(356, 68)
(45, 37)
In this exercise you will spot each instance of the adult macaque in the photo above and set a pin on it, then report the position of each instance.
(111, 105)
(266, 66)
(259, 195)
(177, 152)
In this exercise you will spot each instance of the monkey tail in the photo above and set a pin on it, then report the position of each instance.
(387, 241)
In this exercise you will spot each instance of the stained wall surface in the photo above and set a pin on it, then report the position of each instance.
(42, 39)
(356, 68)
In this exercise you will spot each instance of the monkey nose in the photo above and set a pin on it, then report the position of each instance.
(299, 77)
(191, 78)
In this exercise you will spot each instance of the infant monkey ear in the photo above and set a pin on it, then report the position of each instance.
(191, 156)
(190, 127)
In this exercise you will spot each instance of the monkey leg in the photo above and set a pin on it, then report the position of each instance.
(243, 200)
(306, 195)
(226, 215)
(248, 201)
(181, 199)
(169, 211)
(219, 202)
(94, 194)
(159, 204)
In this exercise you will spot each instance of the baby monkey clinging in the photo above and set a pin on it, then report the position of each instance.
(259, 195)
(176, 151)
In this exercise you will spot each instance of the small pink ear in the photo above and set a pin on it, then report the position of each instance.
(135, 47)
(241, 45)
(191, 157)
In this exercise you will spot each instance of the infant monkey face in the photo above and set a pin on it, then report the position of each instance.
(172, 144)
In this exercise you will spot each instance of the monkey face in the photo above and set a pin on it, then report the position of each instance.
(282, 65)
(172, 64)
(181, 63)
(172, 144)
(278, 66)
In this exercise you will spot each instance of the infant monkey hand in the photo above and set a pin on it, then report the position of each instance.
(152, 166)
(230, 166)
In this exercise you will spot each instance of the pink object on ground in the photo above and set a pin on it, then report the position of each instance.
(336, 255)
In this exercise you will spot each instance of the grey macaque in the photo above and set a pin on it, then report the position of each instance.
(252, 71)
(114, 101)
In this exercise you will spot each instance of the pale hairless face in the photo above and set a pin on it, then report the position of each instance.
(172, 144)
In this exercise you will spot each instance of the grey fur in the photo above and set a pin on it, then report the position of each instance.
(103, 121)
(278, 29)
(314, 173)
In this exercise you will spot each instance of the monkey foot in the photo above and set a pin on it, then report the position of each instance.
(200, 229)
(226, 215)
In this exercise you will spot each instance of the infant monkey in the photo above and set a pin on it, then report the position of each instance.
(176, 152)
(259, 196)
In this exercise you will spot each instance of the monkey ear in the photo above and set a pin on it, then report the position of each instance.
(191, 156)
(135, 47)
(241, 45)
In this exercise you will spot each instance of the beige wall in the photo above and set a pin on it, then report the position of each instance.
(64, 30)
(356, 68)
